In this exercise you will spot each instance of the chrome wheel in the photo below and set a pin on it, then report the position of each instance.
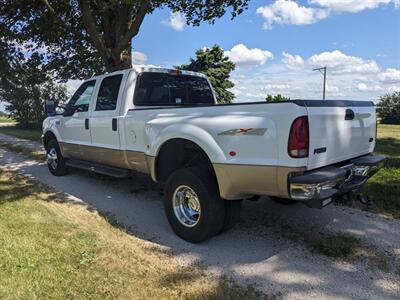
(186, 206)
(52, 159)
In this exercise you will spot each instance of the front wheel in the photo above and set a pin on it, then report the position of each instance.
(55, 160)
(192, 204)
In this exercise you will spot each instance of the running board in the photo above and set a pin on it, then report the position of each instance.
(98, 168)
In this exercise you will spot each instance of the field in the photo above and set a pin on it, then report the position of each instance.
(384, 187)
(56, 248)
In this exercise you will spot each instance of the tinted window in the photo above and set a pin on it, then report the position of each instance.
(108, 93)
(166, 89)
(81, 99)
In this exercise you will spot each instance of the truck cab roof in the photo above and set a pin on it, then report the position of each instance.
(151, 69)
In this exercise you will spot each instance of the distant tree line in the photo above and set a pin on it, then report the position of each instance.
(276, 98)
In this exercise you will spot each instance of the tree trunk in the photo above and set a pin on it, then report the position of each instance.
(119, 61)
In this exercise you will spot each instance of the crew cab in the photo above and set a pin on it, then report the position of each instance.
(208, 156)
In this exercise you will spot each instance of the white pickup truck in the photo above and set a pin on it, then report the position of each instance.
(208, 157)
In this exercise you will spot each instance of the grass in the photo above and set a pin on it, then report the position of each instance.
(28, 134)
(4, 119)
(53, 247)
(384, 187)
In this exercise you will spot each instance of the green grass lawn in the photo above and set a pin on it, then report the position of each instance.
(5, 120)
(53, 248)
(384, 187)
(29, 134)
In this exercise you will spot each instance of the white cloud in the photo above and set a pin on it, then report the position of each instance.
(289, 12)
(176, 21)
(390, 75)
(394, 88)
(138, 58)
(293, 62)
(351, 6)
(276, 87)
(241, 55)
(338, 62)
(368, 88)
(332, 89)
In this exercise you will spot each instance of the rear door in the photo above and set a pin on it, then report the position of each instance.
(340, 130)
(105, 121)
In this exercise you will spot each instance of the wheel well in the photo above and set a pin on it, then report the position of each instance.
(179, 153)
(48, 137)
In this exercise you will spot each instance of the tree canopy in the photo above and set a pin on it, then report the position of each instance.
(26, 87)
(389, 108)
(217, 67)
(81, 37)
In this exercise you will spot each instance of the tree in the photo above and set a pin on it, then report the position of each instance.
(276, 98)
(213, 63)
(389, 108)
(82, 37)
(26, 87)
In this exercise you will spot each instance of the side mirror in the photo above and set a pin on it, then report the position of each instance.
(49, 108)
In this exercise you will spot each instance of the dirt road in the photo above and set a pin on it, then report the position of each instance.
(270, 247)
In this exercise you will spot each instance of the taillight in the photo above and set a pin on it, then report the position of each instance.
(299, 138)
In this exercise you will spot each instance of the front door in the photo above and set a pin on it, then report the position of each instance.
(105, 122)
(75, 128)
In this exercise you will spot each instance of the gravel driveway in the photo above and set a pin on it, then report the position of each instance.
(260, 250)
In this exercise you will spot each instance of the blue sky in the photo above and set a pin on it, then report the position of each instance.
(276, 44)
(359, 41)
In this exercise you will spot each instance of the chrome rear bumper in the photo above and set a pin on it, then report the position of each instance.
(315, 188)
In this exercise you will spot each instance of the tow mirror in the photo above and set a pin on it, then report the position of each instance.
(49, 108)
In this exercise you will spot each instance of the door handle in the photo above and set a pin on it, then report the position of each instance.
(114, 124)
(86, 123)
(349, 114)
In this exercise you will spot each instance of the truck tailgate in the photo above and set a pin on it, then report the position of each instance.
(340, 130)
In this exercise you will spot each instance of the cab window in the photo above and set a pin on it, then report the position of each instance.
(108, 93)
(81, 99)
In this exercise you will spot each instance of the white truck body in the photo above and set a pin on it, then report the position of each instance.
(246, 144)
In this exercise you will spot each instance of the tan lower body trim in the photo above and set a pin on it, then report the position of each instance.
(242, 181)
(133, 160)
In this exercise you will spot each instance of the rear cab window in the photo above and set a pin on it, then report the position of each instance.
(161, 89)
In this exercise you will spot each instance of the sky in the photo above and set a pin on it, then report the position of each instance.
(275, 44)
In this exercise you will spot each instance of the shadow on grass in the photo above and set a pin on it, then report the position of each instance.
(388, 146)
(225, 289)
(33, 133)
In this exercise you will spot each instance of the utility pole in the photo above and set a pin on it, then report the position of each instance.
(323, 73)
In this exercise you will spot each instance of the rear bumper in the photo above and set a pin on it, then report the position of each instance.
(315, 188)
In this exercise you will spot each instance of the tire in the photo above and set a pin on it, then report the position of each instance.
(284, 201)
(55, 160)
(232, 214)
(192, 204)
